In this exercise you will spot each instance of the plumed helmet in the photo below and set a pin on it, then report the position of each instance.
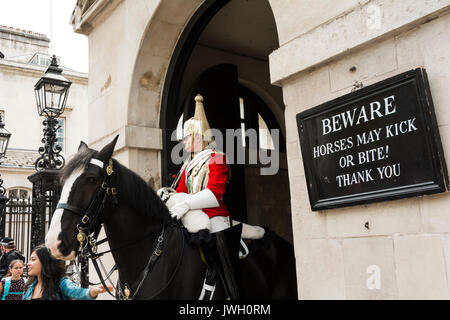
(198, 123)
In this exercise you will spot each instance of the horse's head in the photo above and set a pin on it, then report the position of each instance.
(81, 180)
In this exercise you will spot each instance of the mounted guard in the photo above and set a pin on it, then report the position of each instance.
(202, 183)
(154, 258)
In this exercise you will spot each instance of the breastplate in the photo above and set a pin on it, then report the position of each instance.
(197, 176)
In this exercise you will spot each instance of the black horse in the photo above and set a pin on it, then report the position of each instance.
(136, 221)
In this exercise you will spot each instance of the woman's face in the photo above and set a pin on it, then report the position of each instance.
(193, 144)
(34, 265)
(17, 269)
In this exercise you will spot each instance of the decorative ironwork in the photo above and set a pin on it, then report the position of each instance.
(2, 190)
(46, 193)
(49, 153)
(16, 223)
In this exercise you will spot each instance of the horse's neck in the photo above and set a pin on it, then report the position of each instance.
(134, 223)
(134, 237)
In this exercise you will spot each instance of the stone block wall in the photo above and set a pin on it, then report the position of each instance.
(404, 254)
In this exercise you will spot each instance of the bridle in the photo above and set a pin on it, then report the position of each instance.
(89, 228)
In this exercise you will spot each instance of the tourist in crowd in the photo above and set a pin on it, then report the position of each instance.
(9, 253)
(13, 284)
(47, 280)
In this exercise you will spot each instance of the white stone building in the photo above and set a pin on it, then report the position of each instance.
(25, 60)
(146, 55)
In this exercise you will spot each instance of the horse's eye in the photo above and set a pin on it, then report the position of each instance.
(91, 180)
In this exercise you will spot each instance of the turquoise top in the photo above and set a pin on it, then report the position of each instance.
(68, 288)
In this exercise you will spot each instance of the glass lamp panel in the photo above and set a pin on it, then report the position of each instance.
(55, 88)
(62, 99)
(55, 98)
(38, 101)
(4, 139)
(42, 100)
(2, 145)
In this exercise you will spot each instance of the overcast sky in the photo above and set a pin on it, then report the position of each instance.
(51, 17)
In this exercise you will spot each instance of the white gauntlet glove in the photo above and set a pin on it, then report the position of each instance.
(179, 210)
(200, 200)
(165, 193)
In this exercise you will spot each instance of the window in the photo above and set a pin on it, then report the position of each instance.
(18, 195)
(40, 59)
(44, 61)
(60, 133)
(254, 113)
(242, 119)
(265, 138)
(180, 129)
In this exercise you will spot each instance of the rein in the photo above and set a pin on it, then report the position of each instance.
(88, 231)
(151, 263)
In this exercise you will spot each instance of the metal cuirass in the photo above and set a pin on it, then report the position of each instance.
(197, 172)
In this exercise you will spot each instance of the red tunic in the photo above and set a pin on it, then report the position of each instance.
(217, 181)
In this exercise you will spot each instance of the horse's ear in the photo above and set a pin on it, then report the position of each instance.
(106, 153)
(83, 146)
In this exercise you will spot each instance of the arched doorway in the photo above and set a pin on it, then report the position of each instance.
(223, 55)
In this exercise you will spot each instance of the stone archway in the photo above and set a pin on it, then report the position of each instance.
(151, 70)
(202, 27)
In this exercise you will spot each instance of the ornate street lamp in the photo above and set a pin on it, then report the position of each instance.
(4, 140)
(51, 93)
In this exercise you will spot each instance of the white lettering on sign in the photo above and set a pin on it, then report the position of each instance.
(354, 178)
(402, 127)
(346, 119)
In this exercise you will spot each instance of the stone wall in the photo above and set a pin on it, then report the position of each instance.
(20, 45)
(407, 243)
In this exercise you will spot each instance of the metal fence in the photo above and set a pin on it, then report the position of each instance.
(16, 219)
(28, 220)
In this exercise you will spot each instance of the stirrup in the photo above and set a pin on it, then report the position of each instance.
(210, 289)
(246, 252)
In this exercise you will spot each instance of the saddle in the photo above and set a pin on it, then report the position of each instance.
(196, 220)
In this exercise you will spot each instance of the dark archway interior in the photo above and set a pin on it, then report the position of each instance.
(223, 54)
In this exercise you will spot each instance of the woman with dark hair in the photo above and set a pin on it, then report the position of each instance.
(47, 280)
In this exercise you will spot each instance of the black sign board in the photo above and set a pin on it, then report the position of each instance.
(378, 143)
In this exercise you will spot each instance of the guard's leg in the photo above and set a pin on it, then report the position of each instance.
(219, 223)
(223, 256)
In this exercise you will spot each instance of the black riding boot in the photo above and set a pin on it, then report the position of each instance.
(223, 256)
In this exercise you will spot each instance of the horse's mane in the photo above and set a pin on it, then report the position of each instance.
(79, 160)
(138, 194)
(131, 187)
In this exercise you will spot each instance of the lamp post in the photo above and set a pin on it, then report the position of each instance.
(51, 93)
(4, 140)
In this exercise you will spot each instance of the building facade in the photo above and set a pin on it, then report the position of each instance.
(26, 58)
(279, 58)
